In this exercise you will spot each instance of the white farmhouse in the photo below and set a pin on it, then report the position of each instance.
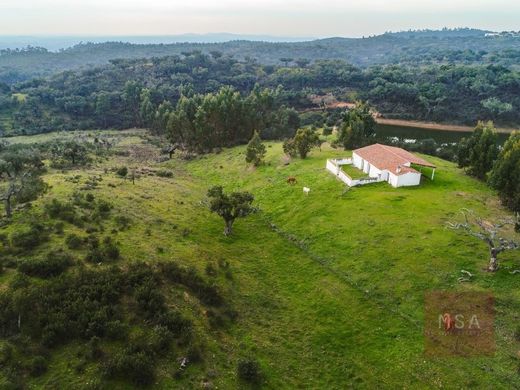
(391, 164)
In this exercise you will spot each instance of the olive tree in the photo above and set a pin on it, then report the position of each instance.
(230, 206)
(490, 233)
(20, 180)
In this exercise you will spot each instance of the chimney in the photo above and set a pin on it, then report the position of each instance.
(398, 169)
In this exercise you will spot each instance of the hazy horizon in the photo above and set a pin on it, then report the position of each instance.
(287, 18)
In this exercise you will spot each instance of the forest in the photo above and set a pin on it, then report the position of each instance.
(112, 96)
(448, 46)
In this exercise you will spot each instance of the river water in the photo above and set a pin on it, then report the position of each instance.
(419, 133)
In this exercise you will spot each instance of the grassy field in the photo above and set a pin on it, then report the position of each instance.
(329, 287)
(353, 172)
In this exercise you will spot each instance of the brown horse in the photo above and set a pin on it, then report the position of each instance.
(291, 180)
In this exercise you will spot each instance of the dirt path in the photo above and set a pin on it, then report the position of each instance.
(433, 126)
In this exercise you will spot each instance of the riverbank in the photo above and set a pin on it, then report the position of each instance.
(433, 126)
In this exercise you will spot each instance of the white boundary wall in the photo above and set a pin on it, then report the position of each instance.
(334, 166)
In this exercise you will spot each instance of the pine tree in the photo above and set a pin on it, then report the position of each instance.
(255, 152)
(505, 176)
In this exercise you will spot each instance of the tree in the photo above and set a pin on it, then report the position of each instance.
(255, 151)
(74, 152)
(302, 62)
(146, 109)
(496, 107)
(358, 126)
(286, 60)
(505, 176)
(230, 207)
(20, 180)
(302, 143)
(479, 152)
(488, 232)
(132, 97)
(102, 107)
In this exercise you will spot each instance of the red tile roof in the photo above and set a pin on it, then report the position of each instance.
(390, 158)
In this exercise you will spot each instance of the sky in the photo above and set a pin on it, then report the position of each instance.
(309, 18)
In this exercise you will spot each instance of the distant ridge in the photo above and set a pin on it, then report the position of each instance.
(55, 43)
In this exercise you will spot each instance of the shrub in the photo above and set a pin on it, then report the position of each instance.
(104, 207)
(116, 330)
(164, 173)
(54, 264)
(38, 366)
(207, 293)
(327, 130)
(110, 249)
(64, 211)
(123, 222)
(6, 353)
(31, 238)
(137, 366)
(73, 241)
(194, 354)
(211, 270)
(150, 300)
(122, 171)
(94, 351)
(160, 339)
(58, 228)
(99, 253)
(249, 371)
(95, 255)
(517, 333)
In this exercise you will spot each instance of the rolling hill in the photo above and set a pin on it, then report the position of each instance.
(328, 288)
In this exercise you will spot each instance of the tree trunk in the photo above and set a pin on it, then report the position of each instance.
(229, 228)
(493, 261)
(8, 210)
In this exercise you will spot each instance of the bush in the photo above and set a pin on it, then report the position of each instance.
(54, 264)
(58, 228)
(207, 293)
(95, 255)
(164, 173)
(123, 222)
(31, 238)
(94, 351)
(6, 353)
(64, 211)
(137, 366)
(73, 241)
(122, 171)
(116, 330)
(150, 300)
(160, 339)
(38, 366)
(249, 371)
(99, 253)
(110, 249)
(517, 333)
(104, 207)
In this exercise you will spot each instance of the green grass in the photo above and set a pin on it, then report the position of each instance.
(329, 287)
(353, 172)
